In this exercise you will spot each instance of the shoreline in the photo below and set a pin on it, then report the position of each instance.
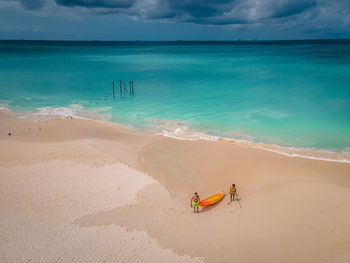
(289, 205)
(46, 113)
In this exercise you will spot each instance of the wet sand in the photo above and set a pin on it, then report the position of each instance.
(107, 193)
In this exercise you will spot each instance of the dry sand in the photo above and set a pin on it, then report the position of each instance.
(87, 191)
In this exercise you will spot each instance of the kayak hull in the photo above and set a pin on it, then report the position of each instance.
(212, 199)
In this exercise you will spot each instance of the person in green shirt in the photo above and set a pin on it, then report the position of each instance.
(195, 202)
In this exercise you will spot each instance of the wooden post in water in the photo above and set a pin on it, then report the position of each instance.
(125, 89)
(113, 87)
(120, 87)
(132, 85)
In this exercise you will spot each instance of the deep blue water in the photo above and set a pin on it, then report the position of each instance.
(287, 93)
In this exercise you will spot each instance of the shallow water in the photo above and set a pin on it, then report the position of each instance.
(294, 94)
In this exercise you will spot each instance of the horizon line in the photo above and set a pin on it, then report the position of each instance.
(180, 40)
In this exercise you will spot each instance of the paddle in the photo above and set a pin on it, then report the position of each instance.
(238, 199)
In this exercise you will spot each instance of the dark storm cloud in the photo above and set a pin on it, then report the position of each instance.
(291, 7)
(213, 12)
(97, 3)
(225, 12)
(201, 8)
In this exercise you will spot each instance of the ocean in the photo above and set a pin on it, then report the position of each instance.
(289, 94)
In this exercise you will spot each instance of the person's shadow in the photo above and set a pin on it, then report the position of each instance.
(238, 199)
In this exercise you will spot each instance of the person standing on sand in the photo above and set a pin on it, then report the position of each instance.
(195, 202)
(233, 192)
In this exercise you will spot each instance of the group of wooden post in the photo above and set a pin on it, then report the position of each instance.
(123, 88)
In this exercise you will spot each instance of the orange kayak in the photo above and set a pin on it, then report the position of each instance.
(212, 200)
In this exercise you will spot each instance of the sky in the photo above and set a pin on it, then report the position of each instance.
(174, 19)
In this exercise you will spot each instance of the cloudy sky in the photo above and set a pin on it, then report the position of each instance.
(174, 19)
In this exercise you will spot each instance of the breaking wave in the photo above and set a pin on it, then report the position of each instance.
(74, 110)
(179, 130)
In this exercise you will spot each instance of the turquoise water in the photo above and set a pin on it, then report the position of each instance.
(289, 93)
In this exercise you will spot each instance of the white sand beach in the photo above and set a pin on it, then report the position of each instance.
(77, 190)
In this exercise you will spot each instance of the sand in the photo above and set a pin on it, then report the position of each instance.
(76, 190)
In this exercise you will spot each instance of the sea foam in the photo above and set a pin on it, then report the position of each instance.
(74, 110)
(180, 131)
